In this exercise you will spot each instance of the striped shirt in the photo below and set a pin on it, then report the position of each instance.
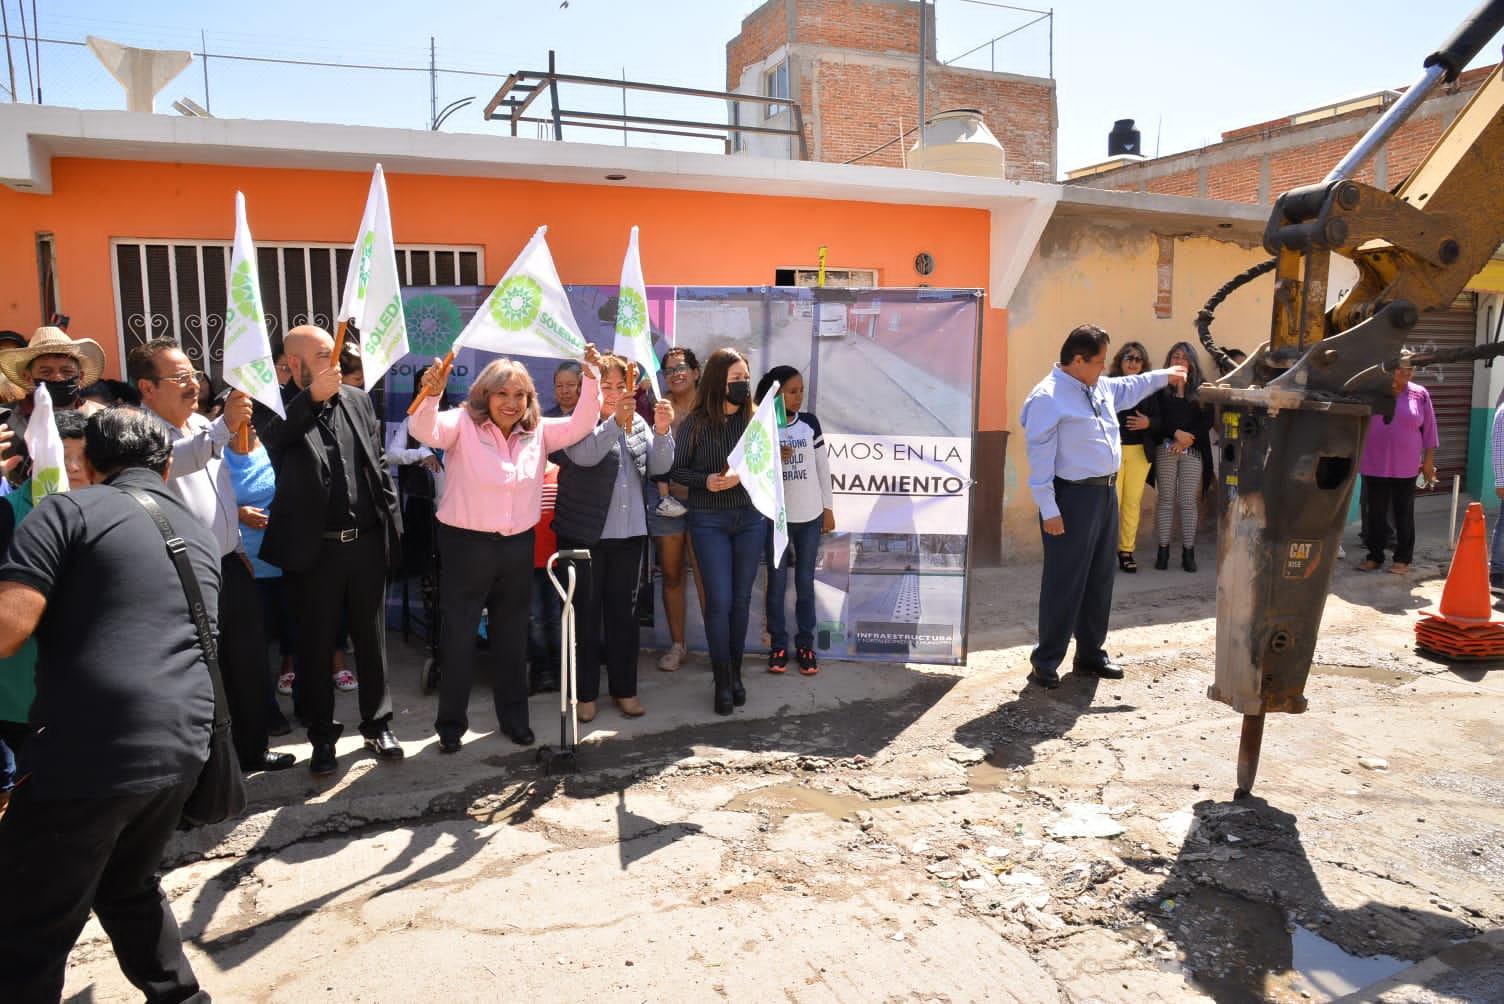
(700, 451)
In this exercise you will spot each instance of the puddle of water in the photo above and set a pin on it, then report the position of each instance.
(1325, 970)
(985, 776)
(1371, 674)
(1239, 950)
(784, 800)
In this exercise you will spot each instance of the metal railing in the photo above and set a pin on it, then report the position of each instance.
(522, 88)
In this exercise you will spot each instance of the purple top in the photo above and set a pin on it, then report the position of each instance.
(1394, 450)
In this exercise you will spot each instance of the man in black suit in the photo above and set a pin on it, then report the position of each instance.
(333, 529)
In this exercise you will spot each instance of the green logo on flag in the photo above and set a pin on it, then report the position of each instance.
(433, 323)
(515, 305)
(366, 247)
(244, 295)
(631, 313)
(46, 482)
(759, 450)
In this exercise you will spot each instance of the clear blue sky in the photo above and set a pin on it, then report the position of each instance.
(1186, 70)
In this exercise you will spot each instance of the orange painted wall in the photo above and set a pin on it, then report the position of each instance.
(688, 238)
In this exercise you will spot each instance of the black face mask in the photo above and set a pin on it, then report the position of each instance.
(737, 392)
(62, 392)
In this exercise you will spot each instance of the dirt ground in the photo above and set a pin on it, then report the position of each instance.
(891, 833)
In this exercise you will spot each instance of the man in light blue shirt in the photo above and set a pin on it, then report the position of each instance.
(1072, 439)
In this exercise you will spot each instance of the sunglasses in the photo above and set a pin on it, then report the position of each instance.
(1133, 357)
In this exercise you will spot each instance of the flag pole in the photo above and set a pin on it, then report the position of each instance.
(423, 391)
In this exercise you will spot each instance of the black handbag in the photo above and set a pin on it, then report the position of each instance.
(219, 793)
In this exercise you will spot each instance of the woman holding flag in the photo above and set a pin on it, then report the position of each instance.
(496, 445)
(725, 530)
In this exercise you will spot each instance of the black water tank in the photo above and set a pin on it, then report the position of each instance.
(1123, 139)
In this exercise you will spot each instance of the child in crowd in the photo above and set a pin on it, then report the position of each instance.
(807, 502)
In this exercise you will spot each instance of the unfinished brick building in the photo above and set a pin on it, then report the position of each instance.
(1258, 163)
(853, 65)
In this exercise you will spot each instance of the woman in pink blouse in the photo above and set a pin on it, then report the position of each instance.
(495, 448)
(1397, 449)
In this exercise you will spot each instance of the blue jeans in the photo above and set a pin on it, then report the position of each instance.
(803, 548)
(728, 544)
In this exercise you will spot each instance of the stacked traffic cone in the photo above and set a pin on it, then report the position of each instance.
(1465, 627)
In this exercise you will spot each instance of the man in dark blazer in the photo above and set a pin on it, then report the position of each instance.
(333, 529)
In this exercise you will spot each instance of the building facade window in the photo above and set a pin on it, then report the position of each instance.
(775, 84)
(177, 290)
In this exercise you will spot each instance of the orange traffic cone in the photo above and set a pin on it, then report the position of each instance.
(1465, 626)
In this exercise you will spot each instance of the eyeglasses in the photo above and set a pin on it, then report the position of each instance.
(181, 379)
(676, 370)
(1133, 357)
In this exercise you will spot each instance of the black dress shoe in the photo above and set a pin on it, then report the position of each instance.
(384, 745)
(1107, 670)
(272, 761)
(449, 744)
(522, 737)
(1049, 681)
(322, 761)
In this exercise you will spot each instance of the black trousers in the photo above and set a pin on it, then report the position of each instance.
(1386, 498)
(605, 598)
(483, 571)
(242, 659)
(1080, 566)
(347, 584)
(61, 857)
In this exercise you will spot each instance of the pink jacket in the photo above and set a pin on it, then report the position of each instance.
(495, 485)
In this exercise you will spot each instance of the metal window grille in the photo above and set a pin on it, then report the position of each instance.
(177, 289)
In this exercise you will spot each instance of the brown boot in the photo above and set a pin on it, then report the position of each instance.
(585, 711)
(630, 706)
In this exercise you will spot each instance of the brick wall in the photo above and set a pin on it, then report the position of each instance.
(1292, 154)
(854, 69)
(886, 26)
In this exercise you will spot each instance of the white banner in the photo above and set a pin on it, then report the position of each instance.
(373, 296)
(901, 484)
(45, 445)
(634, 337)
(758, 460)
(248, 362)
(528, 313)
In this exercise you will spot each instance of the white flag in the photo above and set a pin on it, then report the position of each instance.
(248, 362)
(45, 445)
(758, 461)
(634, 336)
(373, 297)
(527, 314)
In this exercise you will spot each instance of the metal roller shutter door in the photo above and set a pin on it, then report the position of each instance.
(1450, 384)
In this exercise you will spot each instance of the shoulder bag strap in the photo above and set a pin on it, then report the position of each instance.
(177, 550)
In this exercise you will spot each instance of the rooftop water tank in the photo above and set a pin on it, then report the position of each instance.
(958, 142)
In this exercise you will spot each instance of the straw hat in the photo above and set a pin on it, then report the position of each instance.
(51, 341)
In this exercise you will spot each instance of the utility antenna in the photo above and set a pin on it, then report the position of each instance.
(142, 72)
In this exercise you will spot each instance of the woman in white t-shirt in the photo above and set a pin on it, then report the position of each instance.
(807, 502)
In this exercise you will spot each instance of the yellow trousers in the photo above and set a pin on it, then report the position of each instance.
(1132, 477)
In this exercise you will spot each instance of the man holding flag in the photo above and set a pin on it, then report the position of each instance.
(333, 529)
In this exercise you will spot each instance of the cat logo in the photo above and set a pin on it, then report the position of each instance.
(1303, 559)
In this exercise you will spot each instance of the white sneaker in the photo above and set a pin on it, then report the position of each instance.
(670, 660)
(670, 507)
(1341, 552)
(345, 680)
